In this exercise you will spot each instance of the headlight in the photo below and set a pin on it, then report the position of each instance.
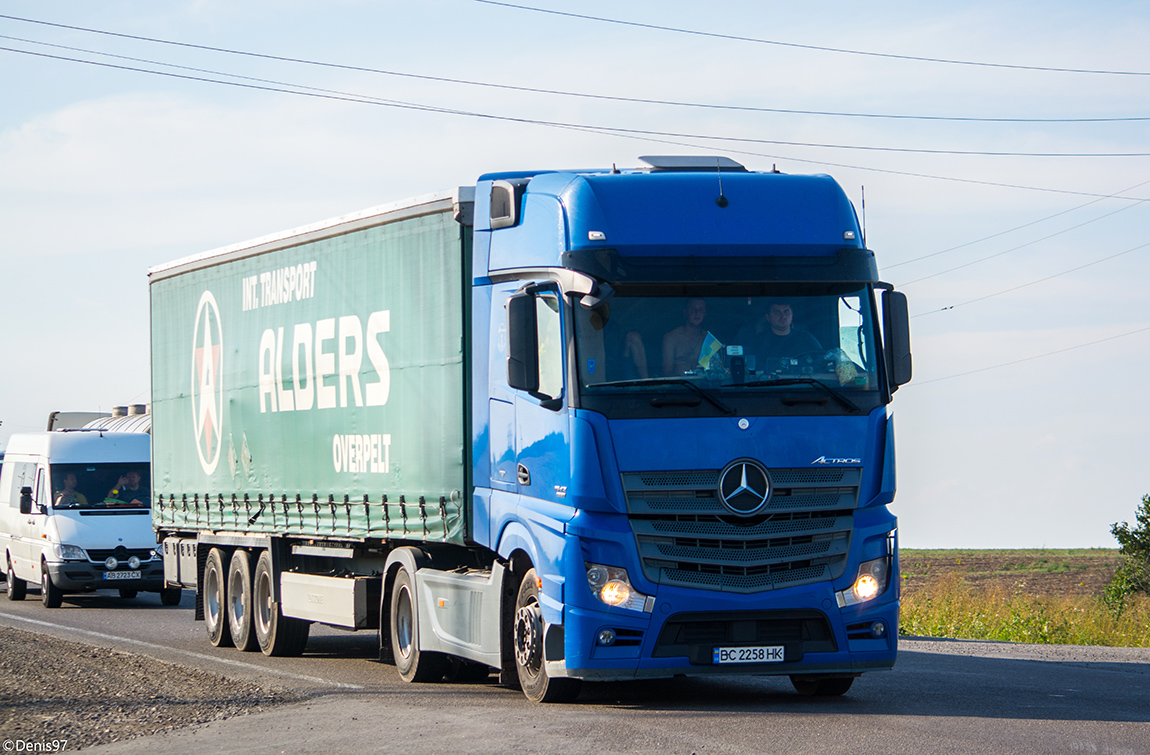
(870, 582)
(611, 585)
(69, 552)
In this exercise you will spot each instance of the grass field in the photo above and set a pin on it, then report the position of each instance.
(1046, 596)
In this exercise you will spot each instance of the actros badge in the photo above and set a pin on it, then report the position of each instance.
(744, 487)
(207, 385)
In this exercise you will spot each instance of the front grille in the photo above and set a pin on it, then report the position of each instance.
(687, 537)
(121, 553)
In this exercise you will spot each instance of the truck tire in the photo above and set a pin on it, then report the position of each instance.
(50, 595)
(277, 635)
(527, 638)
(240, 624)
(15, 587)
(215, 600)
(171, 596)
(412, 664)
(832, 687)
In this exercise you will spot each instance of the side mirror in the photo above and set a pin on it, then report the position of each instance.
(896, 329)
(25, 500)
(522, 343)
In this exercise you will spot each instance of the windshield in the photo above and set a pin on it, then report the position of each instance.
(99, 486)
(731, 342)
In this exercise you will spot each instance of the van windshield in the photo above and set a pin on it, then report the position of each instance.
(99, 486)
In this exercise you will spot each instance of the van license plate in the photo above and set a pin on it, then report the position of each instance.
(759, 654)
(121, 575)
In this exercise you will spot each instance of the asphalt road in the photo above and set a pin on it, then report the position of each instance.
(942, 697)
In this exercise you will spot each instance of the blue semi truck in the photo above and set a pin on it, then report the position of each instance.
(559, 427)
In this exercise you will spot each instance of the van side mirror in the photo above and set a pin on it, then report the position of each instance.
(896, 329)
(25, 500)
(522, 343)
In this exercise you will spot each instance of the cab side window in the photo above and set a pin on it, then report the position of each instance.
(23, 476)
(550, 334)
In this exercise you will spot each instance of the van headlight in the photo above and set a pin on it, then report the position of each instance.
(69, 552)
(870, 582)
(611, 585)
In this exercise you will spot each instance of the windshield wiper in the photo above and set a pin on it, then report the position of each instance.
(805, 381)
(667, 381)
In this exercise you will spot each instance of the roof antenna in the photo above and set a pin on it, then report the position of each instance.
(722, 200)
(864, 216)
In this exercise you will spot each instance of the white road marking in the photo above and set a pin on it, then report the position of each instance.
(200, 656)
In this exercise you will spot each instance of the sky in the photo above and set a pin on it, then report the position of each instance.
(1026, 425)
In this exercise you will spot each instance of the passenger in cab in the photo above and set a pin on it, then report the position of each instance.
(68, 497)
(683, 345)
(128, 491)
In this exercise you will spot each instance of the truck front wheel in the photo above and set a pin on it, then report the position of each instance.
(215, 600)
(527, 636)
(240, 601)
(413, 665)
(278, 635)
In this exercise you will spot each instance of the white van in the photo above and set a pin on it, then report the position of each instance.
(75, 515)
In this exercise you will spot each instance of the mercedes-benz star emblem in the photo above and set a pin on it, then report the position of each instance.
(744, 487)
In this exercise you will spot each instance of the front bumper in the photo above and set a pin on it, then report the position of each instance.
(673, 640)
(78, 576)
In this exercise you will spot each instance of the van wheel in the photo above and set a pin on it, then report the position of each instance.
(240, 601)
(16, 587)
(412, 664)
(215, 600)
(527, 639)
(50, 595)
(277, 635)
(128, 594)
(171, 596)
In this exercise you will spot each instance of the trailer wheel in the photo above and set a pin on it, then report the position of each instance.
(15, 587)
(171, 596)
(240, 623)
(832, 687)
(278, 635)
(413, 665)
(528, 642)
(50, 595)
(215, 600)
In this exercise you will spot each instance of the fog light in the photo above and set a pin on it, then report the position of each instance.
(878, 629)
(607, 637)
(615, 593)
(134, 562)
(111, 563)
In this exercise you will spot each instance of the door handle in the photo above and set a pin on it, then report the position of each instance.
(523, 475)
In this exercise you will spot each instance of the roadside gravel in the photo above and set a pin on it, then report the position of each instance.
(53, 690)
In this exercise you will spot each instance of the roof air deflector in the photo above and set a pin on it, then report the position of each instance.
(692, 162)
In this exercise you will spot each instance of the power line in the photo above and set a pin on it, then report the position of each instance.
(590, 127)
(559, 92)
(649, 138)
(819, 48)
(1031, 358)
(1034, 282)
(1016, 248)
(1117, 194)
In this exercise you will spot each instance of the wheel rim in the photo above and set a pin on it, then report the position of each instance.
(528, 621)
(236, 586)
(263, 602)
(404, 626)
(212, 597)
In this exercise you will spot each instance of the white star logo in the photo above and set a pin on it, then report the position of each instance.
(207, 387)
